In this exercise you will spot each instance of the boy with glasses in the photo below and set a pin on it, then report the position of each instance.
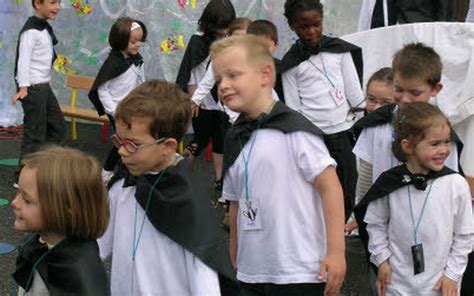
(163, 236)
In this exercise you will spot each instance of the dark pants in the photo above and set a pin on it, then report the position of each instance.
(43, 121)
(340, 148)
(282, 290)
(467, 285)
(210, 124)
(113, 156)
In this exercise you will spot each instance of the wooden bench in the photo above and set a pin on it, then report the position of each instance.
(85, 83)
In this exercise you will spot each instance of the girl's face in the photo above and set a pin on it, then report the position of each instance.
(379, 93)
(430, 153)
(26, 205)
(134, 42)
(308, 25)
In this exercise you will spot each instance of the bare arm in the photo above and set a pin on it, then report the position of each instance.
(233, 209)
(334, 264)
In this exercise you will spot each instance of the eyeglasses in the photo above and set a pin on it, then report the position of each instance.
(376, 101)
(129, 145)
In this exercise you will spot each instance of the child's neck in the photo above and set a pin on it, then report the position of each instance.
(40, 16)
(169, 161)
(52, 238)
(263, 106)
(415, 168)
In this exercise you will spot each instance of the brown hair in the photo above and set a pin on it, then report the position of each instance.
(256, 49)
(263, 28)
(384, 75)
(73, 199)
(240, 23)
(33, 3)
(120, 32)
(164, 103)
(411, 122)
(418, 61)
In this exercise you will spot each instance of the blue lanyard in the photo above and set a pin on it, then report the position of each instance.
(324, 72)
(415, 228)
(246, 163)
(136, 241)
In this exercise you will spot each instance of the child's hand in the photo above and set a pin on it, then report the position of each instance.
(20, 95)
(194, 109)
(349, 227)
(383, 278)
(333, 268)
(447, 286)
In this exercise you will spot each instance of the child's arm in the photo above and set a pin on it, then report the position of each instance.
(352, 88)
(377, 218)
(233, 209)
(106, 98)
(290, 89)
(25, 51)
(204, 87)
(334, 265)
(462, 241)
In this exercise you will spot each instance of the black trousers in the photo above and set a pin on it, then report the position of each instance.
(340, 148)
(43, 121)
(467, 285)
(305, 289)
(210, 124)
(113, 156)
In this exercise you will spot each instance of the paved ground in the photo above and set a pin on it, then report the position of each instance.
(89, 140)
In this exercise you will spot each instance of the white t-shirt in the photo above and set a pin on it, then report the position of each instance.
(307, 90)
(113, 91)
(445, 230)
(292, 242)
(375, 147)
(35, 54)
(161, 266)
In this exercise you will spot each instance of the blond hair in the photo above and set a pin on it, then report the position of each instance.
(73, 199)
(257, 51)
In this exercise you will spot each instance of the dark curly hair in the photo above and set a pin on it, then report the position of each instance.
(294, 7)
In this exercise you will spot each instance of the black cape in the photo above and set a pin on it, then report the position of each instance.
(389, 181)
(39, 24)
(72, 267)
(115, 65)
(280, 118)
(386, 114)
(181, 210)
(412, 11)
(299, 53)
(196, 52)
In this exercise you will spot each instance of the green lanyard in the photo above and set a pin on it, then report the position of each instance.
(415, 227)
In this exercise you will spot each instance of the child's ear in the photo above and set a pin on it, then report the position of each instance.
(267, 74)
(407, 146)
(171, 144)
(436, 89)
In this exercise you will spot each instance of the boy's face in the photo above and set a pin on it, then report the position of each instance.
(308, 25)
(134, 42)
(413, 90)
(144, 159)
(239, 83)
(26, 205)
(47, 9)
